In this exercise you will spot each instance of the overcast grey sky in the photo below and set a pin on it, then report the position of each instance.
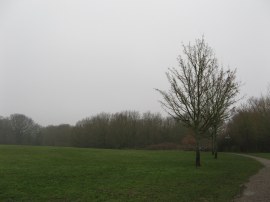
(64, 60)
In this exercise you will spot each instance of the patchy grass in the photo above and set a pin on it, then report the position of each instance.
(73, 174)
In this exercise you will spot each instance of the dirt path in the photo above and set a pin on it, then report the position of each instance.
(258, 187)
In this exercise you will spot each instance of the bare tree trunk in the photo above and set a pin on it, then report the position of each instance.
(215, 142)
(198, 155)
(213, 145)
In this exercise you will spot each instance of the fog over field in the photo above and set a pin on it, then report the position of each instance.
(61, 61)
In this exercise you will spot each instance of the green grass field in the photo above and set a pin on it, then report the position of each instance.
(73, 174)
(263, 155)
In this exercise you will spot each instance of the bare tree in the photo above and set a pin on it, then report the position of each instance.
(198, 91)
(224, 95)
(24, 128)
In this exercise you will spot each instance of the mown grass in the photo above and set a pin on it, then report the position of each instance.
(73, 174)
(262, 155)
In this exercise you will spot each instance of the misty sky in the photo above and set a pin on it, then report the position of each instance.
(64, 60)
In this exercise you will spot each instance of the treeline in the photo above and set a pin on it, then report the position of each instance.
(249, 128)
(127, 129)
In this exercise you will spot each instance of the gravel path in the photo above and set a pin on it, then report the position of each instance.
(258, 187)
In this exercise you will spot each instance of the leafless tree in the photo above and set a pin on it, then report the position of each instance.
(200, 91)
(224, 95)
(24, 128)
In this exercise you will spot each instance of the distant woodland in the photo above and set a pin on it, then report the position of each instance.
(248, 130)
(127, 129)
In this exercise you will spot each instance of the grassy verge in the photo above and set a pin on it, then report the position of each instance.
(263, 155)
(71, 174)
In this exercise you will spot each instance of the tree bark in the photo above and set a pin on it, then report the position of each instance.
(198, 156)
(213, 145)
(215, 142)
